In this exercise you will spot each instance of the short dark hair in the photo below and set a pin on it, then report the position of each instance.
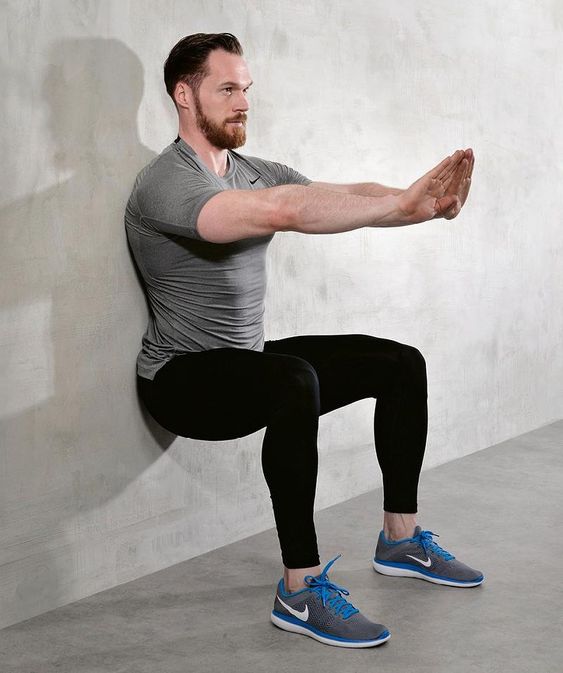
(187, 60)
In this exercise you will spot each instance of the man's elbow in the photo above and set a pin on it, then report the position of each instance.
(283, 212)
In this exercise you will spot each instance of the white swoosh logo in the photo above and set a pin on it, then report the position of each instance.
(426, 563)
(303, 615)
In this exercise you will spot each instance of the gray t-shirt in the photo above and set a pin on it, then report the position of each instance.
(201, 295)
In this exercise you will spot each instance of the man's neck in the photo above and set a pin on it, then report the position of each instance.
(214, 158)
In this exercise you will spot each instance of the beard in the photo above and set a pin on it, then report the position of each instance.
(220, 135)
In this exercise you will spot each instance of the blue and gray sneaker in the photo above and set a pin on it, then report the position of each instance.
(321, 612)
(419, 556)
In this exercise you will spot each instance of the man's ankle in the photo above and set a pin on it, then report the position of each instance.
(292, 588)
(294, 578)
(398, 526)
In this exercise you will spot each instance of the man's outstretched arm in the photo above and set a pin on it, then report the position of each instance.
(237, 214)
(460, 184)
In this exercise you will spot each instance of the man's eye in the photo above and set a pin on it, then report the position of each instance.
(228, 88)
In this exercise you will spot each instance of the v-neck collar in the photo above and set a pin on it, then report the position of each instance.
(183, 146)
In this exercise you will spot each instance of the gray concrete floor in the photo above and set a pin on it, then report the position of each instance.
(499, 510)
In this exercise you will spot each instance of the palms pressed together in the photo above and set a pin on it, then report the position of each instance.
(442, 191)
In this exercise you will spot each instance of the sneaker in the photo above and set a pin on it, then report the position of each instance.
(321, 612)
(419, 556)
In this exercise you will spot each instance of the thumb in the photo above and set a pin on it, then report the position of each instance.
(445, 203)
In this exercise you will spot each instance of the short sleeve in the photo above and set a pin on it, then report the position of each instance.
(274, 173)
(285, 175)
(172, 203)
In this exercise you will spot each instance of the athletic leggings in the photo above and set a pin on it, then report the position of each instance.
(226, 393)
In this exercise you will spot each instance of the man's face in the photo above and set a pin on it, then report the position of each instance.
(221, 103)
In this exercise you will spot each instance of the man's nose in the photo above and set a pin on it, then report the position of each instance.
(240, 104)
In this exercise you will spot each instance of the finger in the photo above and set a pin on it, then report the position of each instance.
(447, 174)
(471, 164)
(468, 170)
(453, 181)
(435, 172)
(447, 164)
(464, 189)
(456, 157)
(466, 184)
(464, 168)
(451, 184)
(455, 210)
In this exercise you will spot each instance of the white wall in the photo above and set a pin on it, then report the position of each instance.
(346, 92)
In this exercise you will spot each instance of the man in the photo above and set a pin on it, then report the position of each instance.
(199, 220)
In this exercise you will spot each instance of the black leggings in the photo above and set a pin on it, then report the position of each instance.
(226, 393)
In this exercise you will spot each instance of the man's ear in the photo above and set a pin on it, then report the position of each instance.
(183, 95)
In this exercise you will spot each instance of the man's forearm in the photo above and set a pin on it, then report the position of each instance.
(319, 211)
(373, 189)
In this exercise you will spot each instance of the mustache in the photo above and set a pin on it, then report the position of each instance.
(240, 118)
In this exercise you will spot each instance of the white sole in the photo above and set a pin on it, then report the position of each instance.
(403, 572)
(295, 628)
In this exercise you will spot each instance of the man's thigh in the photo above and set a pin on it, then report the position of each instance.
(219, 394)
(349, 367)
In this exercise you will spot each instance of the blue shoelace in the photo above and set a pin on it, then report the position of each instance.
(428, 544)
(331, 593)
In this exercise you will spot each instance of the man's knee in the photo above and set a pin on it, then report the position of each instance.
(413, 356)
(413, 365)
(297, 384)
(298, 376)
(407, 356)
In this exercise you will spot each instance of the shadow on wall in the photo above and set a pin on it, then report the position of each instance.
(71, 304)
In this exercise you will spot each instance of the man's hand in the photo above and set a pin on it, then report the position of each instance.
(459, 185)
(435, 193)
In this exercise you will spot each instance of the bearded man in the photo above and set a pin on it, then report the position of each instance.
(199, 222)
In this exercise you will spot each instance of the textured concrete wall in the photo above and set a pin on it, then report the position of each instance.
(344, 92)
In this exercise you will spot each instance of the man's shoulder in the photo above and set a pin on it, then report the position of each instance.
(150, 166)
(168, 171)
